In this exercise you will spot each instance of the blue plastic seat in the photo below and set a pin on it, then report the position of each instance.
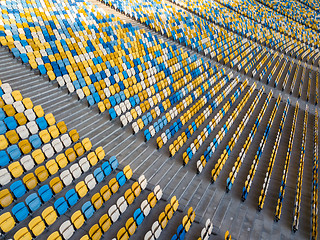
(18, 189)
(87, 209)
(121, 178)
(4, 159)
(14, 152)
(33, 202)
(106, 168)
(2, 114)
(20, 211)
(3, 128)
(98, 174)
(138, 216)
(72, 197)
(61, 206)
(113, 162)
(112, 113)
(90, 100)
(45, 193)
(42, 123)
(11, 123)
(35, 141)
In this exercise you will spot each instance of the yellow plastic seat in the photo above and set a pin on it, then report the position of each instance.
(71, 154)
(38, 111)
(62, 160)
(95, 232)
(52, 166)
(129, 196)
(79, 149)
(16, 169)
(77, 219)
(12, 136)
(131, 226)
(92, 158)
(37, 226)
(97, 201)
(7, 222)
(49, 215)
(20, 118)
(136, 189)
(55, 236)
(5, 198)
(3, 142)
(105, 222)
(163, 220)
(38, 156)
(81, 189)
(25, 146)
(27, 103)
(54, 131)
(45, 136)
(152, 200)
(30, 181)
(50, 119)
(113, 185)
(85, 237)
(74, 135)
(42, 173)
(56, 185)
(9, 110)
(22, 234)
(100, 153)
(62, 127)
(87, 144)
(122, 234)
(127, 172)
(105, 192)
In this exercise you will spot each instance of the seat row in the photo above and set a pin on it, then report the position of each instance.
(315, 197)
(236, 167)
(281, 71)
(235, 137)
(286, 165)
(206, 231)
(297, 201)
(254, 165)
(264, 190)
(159, 225)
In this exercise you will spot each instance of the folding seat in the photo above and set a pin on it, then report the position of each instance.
(142, 182)
(92, 158)
(62, 127)
(5, 176)
(7, 222)
(75, 170)
(5, 198)
(52, 166)
(87, 209)
(30, 181)
(23, 132)
(71, 154)
(18, 189)
(62, 160)
(42, 173)
(3, 128)
(105, 222)
(9, 110)
(61, 206)
(77, 219)
(56, 185)
(97, 201)
(98, 174)
(138, 216)
(152, 199)
(37, 226)
(15, 169)
(158, 192)
(32, 127)
(20, 118)
(121, 178)
(20, 211)
(42, 123)
(45, 193)
(81, 189)
(72, 197)
(90, 181)
(106, 168)
(7, 98)
(114, 213)
(127, 172)
(122, 204)
(26, 147)
(113, 162)
(33, 202)
(22, 234)
(95, 232)
(66, 229)
(27, 162)
(66, 177)
(66, 140)
(74, 135)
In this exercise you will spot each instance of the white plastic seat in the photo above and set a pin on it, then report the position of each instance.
(27, 162)
(123, 120)
(122, 204)
(142, 182)
(90, 181)
(114, 213)
(75, 170)
(48, 150)
(135, 127)
(118, 110)
(5, 176)
(66, 140)
(129, 117)
(6, 88)
(7, 98)
(30, 115)
(149, 236)
(57, 145)
(32, 126)
(18, 106)
(84, 164)
(145, 207)
(70, 87)
(60, 81)
(66, 229)
(158, 192)
(66, 177)
(123, 107)
(23, 132)
(156, 229)
(80, 93)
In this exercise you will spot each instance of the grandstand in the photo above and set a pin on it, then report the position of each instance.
(159, 119)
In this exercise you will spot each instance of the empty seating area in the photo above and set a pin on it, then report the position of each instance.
(159, 119)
